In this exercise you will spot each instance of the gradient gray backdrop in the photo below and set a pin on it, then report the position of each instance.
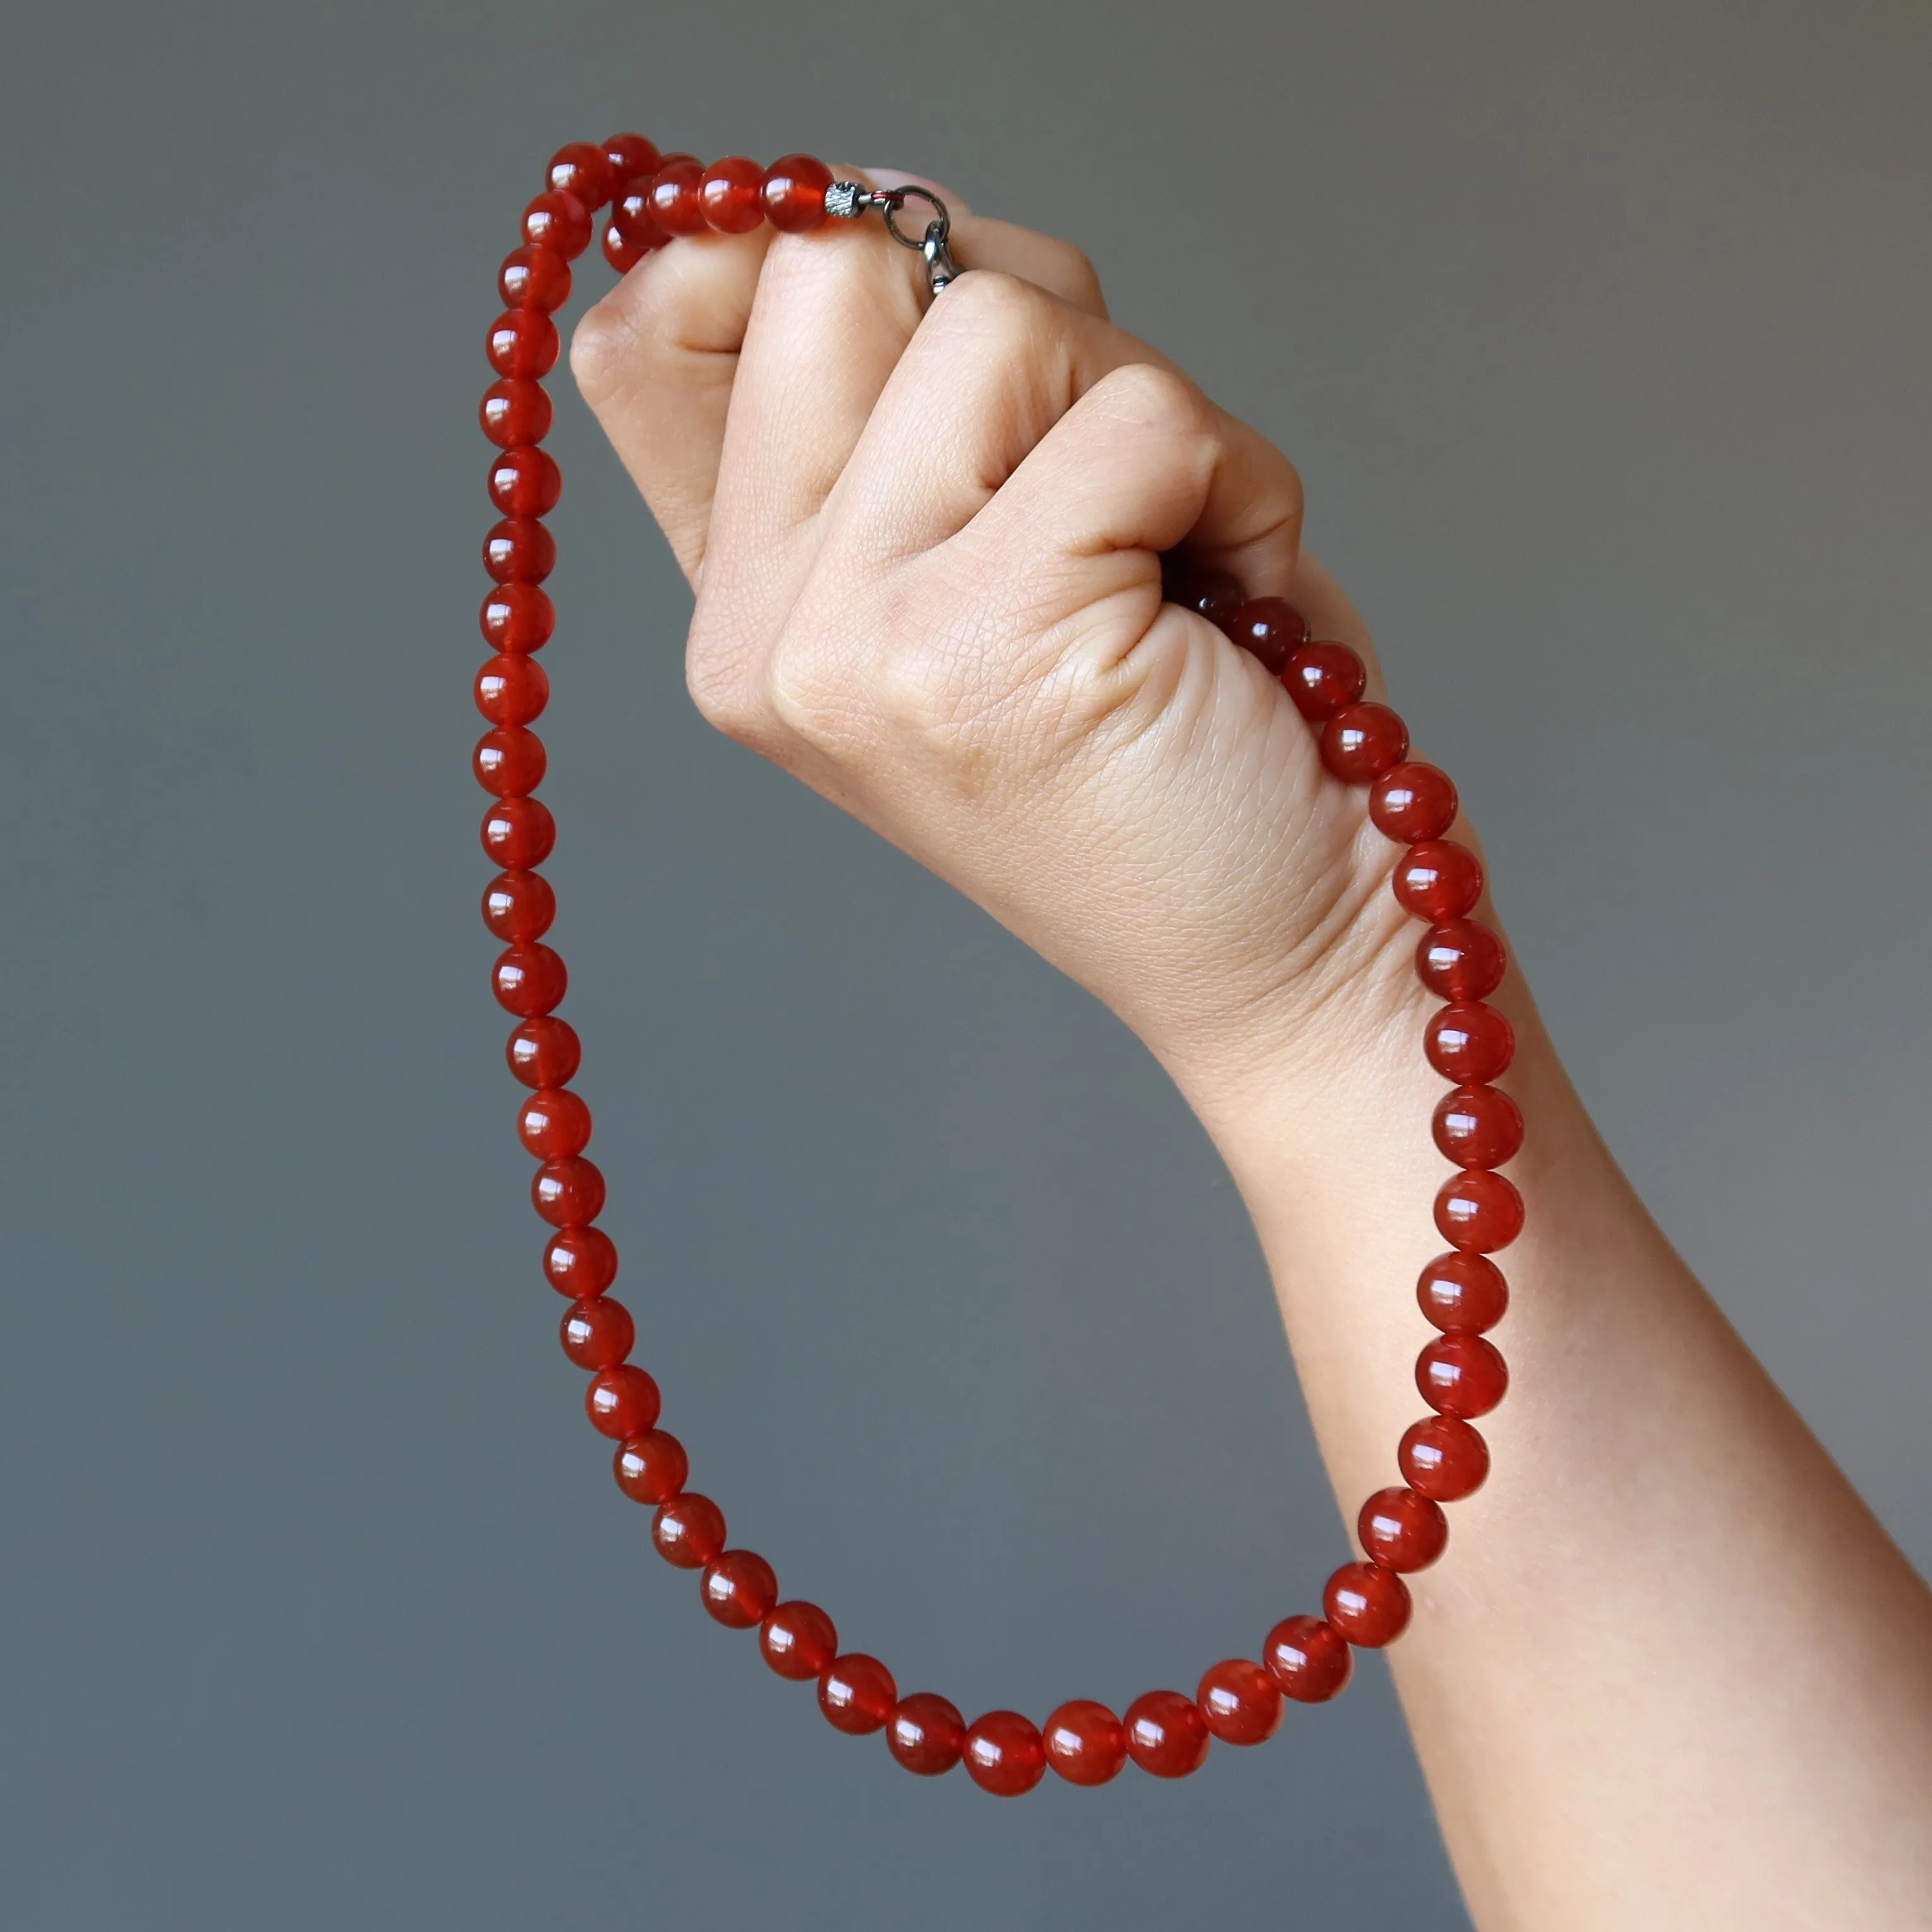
(1601, 334)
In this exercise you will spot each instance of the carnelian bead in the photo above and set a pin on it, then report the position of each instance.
(514, 410)
(578, 168)
(558, 221)
(1461, 1374)
(1269, 627)
(1478, 1212)
(598, 1334)
(518, 907)
(1438, 880)
(522, 342)
(537, 278)
(634, 218)
(651, 1468)
(799, 1641)
(1310, 1660)
(1240, 1702)
(1401, 1530)
(1085, 1742)
(1362, 741)
(1368, 1604)
(518, 619)
(1470, 1043)
(620, 251)
(732, 195)
(1209, 593)
(689, 1530)
(1413, 802)
(580, 1262)
(545, 1051)
(525, 482)
(739, 1587)
(625, 157)
(1166, 1734)
(624, 1401)
(568, 1193)
(519, 833)
(1461, 960)
(926, 1734)
(509, 761)
(1444, 1458)
(1478, 1126)
(553, 1124)
(678, 154)
(856, 1693)
(529, 979)
(1463, 1292)
(678, 206)
(1323, 678)
(793, 193)
(1004, 1754)
(519, 549)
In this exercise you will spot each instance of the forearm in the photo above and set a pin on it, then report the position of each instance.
(1670, 1672)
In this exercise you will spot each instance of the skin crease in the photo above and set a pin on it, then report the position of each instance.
(1670, 1672)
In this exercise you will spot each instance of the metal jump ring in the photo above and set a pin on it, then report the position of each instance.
(890, 200)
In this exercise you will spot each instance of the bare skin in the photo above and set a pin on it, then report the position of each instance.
(1671, 1673)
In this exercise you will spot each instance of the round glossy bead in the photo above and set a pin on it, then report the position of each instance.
(529, 979)
(1460, 1292)
(1412, 803)
(568, 1193)
(1461, 1374)
(1084, 1742)
(514, 410)
(579, 169)
(926, 1734)
(1470, 1043)
(522, 342)
(688, 1530)
(732, 194)
(518, 832)
(1310, 1660)
(1401, 1530)
(597, 1334)
(519, 549)
(1444, 1458)
(625, 157)
(1367, 1604)
(518, 907)
(1240, 1702)
(1269, 629)
(509, 762)
(856, 1693)
(545, 1051)
(624, 1401)
(517, 619)
(511, 690)
(553, 1124)
(1461, 960)
(558, 222)
(739, 1587)
(651, 1468)
(793, 192)
(1438, 880)
(1166, 1734)
(1323, 678)
(633, 217)
(620, 251)
(1362, 741)
(580, 1262)
(1478, 1126)
(525, 482)
(1004, 1754)
(537, 278)
(799, 1641)
(1478, 1211)
(1209, 593)
(677, 204)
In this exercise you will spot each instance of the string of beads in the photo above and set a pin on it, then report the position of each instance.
(651, 199)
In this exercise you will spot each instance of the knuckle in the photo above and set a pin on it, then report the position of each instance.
(987, 303)
(599, 347)
(1146, 393)
(727, 697)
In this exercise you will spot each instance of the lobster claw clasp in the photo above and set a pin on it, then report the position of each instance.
(846, 201)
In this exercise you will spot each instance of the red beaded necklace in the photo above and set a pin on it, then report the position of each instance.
(653, 198)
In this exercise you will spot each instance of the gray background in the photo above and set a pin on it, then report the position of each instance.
(1600, 333)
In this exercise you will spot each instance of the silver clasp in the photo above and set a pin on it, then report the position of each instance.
(848, 200)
